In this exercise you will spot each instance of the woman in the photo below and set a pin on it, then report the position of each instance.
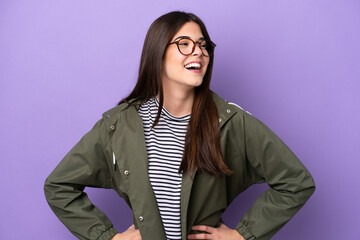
(178, 153)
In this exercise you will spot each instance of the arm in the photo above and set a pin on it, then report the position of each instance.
(85, 165)
(291, 184)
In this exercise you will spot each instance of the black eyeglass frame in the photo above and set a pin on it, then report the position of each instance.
(208, 41)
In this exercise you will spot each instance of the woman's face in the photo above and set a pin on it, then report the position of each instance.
(174, 71)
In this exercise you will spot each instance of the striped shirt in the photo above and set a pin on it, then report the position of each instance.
(165, 146)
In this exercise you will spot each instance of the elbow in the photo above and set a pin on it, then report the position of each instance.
(311, 188)
(310, 185)
(52, 191)
(48, 190)
(308, 192)
(308, 189)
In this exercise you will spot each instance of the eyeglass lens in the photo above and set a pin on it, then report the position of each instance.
(186, 47)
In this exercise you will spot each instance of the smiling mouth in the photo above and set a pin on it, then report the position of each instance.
(193, 66)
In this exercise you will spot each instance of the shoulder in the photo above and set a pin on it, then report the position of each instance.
(112, 112)
(234, 117)
(119, 109)
(225, 107)
(111, 117)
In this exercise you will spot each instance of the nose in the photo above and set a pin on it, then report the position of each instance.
(197, 50)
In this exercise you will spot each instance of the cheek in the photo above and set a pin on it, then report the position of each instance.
(172, 69)
(207, 64)
(173, 65)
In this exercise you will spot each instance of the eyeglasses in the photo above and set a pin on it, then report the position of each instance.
(186, 46)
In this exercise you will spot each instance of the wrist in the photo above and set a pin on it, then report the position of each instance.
(238, 235)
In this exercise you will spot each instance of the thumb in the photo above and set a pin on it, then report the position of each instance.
(131, 227)
(223, 226)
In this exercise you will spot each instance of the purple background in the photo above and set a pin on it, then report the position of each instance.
(295, 65)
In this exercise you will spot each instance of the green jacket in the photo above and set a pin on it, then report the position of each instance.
(250, 149)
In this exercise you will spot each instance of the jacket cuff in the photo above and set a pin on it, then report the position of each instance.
(108, 234)
(242, 229)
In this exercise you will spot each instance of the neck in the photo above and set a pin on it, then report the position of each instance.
(178, 103)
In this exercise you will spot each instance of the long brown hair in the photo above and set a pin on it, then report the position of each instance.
(202, 142)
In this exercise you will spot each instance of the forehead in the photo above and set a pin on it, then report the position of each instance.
(191, 30)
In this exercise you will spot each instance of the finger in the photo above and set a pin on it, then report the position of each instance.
(199, 236)
(203, 228)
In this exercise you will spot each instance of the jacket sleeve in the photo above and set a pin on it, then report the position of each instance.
(291, 184)
(85, 165)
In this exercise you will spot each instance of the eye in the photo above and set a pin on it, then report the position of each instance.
(203, 43)
(184, 42)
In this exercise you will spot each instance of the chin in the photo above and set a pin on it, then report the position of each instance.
(195, 80)
(196, 83)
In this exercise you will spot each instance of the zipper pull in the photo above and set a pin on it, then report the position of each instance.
(114, 161)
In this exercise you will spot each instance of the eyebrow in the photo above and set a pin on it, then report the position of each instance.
(200, 38)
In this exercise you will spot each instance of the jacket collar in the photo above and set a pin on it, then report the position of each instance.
(222, 106)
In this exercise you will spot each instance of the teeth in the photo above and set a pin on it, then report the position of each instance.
(195, 65)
